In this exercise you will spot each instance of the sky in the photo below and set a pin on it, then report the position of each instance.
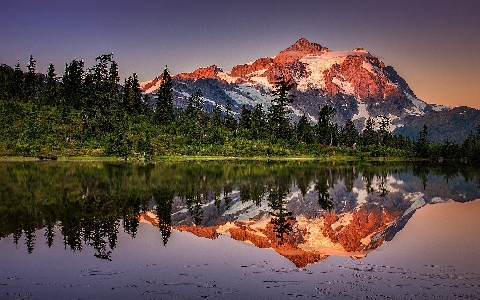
(433, 45)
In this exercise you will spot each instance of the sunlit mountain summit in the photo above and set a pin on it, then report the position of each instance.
(355, 82)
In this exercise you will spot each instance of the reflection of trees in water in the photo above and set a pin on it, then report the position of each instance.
(421, 172)
(164, 203)
(323, 183)
(382, 185)
(193, 201)
(88, 203)
(282, 218)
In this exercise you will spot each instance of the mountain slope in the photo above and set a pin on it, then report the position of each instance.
(453, 125)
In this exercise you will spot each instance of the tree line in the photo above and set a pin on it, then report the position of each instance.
(88, 112)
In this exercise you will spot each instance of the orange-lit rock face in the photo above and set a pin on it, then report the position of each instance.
(267, 238)
(209, 72)
(155, 83)
(245, 69)
(363, 224)
(286, 64)
(200, 231)
(289, 71)
(366, 83)
(366, 75)
(148, 217)
(298, 50)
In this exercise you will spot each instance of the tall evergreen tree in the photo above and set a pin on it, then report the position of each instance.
(304, 131)
(349, 134)
(215, 132)
(245, 119)
(132, 95)
(50, 91)
(16, 90)
(229, 120)
(101, 93)
(194, 118)
(164, 112)
(113, 80)
(325, 129)
(72, 84)
(421, 145)
(31, 81)
(278, 121)
(259, 122)
(369, 135)
(384, 133)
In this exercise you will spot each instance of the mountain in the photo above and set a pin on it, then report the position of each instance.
(358, 84)
(453, 125)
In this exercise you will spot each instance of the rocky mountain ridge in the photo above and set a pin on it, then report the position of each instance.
(358, 84)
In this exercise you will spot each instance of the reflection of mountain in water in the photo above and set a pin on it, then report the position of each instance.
(304, 211)
(366, 209)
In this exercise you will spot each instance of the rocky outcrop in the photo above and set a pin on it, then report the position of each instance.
(200, 231)
(299, 257)
(200, 73)
(286, 64)
(366, 83)
(245, 69)
(267, 238)
(152, 84)
(290, 71)
(241, 233)
(301, 48)
(363, 224)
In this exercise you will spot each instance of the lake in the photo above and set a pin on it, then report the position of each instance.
(239, 230)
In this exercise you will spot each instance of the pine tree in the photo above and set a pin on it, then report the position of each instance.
(349, 134)
(304, 131)
(229, 120)
(193, 123)
(421, 145)
(326, 132)
(369, 135)
(16, 90)
(259, 123)
(101, 93)
(164, 112)
(278, 121)
(72, 86)
(215, 132)
(384, 133)
(132, 95)
(113, 79)
(245, 119)
(31, 81)
(50, 91)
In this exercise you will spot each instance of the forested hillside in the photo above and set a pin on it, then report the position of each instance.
(87, 112)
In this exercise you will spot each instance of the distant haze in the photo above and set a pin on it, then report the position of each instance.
(434, 45)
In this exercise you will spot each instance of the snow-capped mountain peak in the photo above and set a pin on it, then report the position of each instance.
(358, 84)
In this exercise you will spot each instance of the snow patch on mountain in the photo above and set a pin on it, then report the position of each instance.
(344, 86)
(249, 95)
(362, 111)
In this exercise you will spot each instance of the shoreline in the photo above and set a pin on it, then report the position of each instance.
(208, 158)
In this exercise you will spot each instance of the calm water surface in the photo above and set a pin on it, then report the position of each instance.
(208, 229)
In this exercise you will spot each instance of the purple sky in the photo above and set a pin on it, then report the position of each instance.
(434, 45)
